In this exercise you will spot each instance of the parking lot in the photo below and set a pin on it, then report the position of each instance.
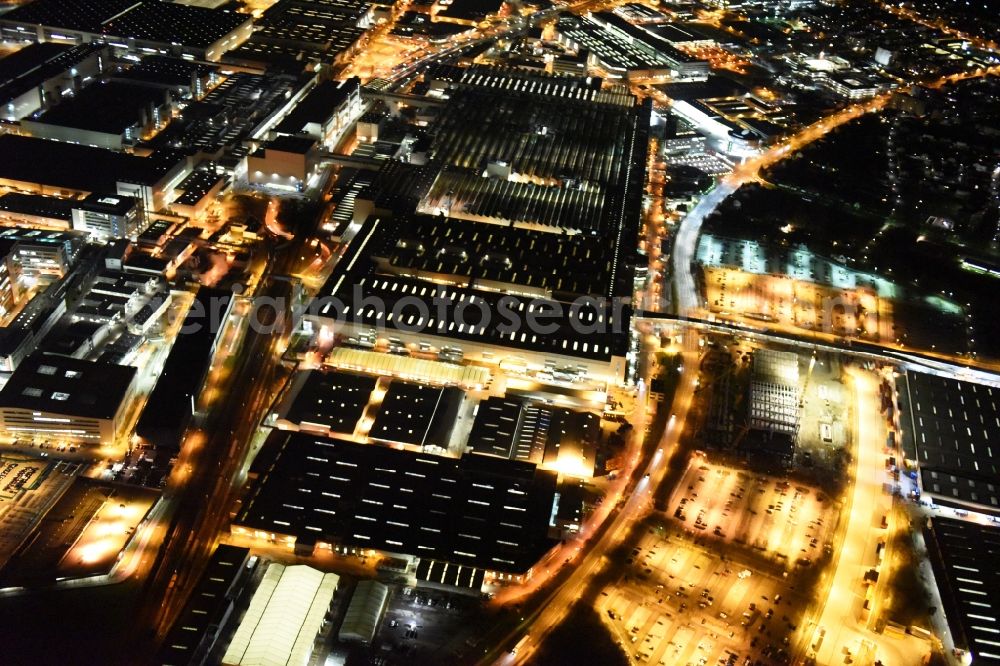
(798, 304)
(424, 625)
(787, 522)
(681, 603)
(26, 500)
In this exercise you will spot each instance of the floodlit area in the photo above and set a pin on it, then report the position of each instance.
(82, 535)
(679, 603)
(787, 522)
(107, 532)
(381, 55)
(797, 304)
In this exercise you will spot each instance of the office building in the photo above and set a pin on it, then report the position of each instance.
(57, 399)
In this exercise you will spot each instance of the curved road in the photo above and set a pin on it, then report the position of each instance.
(558, 605)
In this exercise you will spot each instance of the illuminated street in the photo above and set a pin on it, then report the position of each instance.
(840, 625)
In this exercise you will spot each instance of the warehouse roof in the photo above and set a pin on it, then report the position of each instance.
(592, 328)
(964, 556)
(953, 434)
(364, 612)
(285, 615)
(110, 107)
(478, 510)
(333, 400)
(495, 426)
(406, 412)
(149, 20)
(172, 23)
(57, 164)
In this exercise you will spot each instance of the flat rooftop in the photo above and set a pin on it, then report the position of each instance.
(520, 83)
(82, 534)
(28, 59)
(477, 511)
(39, 63)
(171, 23)
(196, 186)
(541, 434)
(83, 15)
(542, 136)
(495, 427)
(406, 413)
(964, 556)
(319, 105)
(165, 71)
(954, 427)
(183, 371)
(207, 606)
(331, 400)
(774, 392)
(558, 436)
(471, 10)
(61, 385)
(486, 254)
(70, 240)
(57, 164)
(110, 107)
(38, 205)
(148, 20)
(593, 330)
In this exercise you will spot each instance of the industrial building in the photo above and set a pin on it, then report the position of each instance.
(287, 162)
(171, 403)
(291, 35)
(415, 415)
(325, 403)
(950, 428)
(286, 613)
(365, 611)
(507, 328)
(625, 50)
(39, 256)
(325, 113)
(38, 75)
(773, 409)
(40, 166)
(110, 115)
(963, 556)
(503, 193)
(465, 12)
(58, 399)
(102, 216)
(145, 26)
(32, 323)
(554, 438)
(479, 512)
(209, 608)
(196, 193)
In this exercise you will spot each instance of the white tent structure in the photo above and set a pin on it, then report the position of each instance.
(285, 615)
(364, 612)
